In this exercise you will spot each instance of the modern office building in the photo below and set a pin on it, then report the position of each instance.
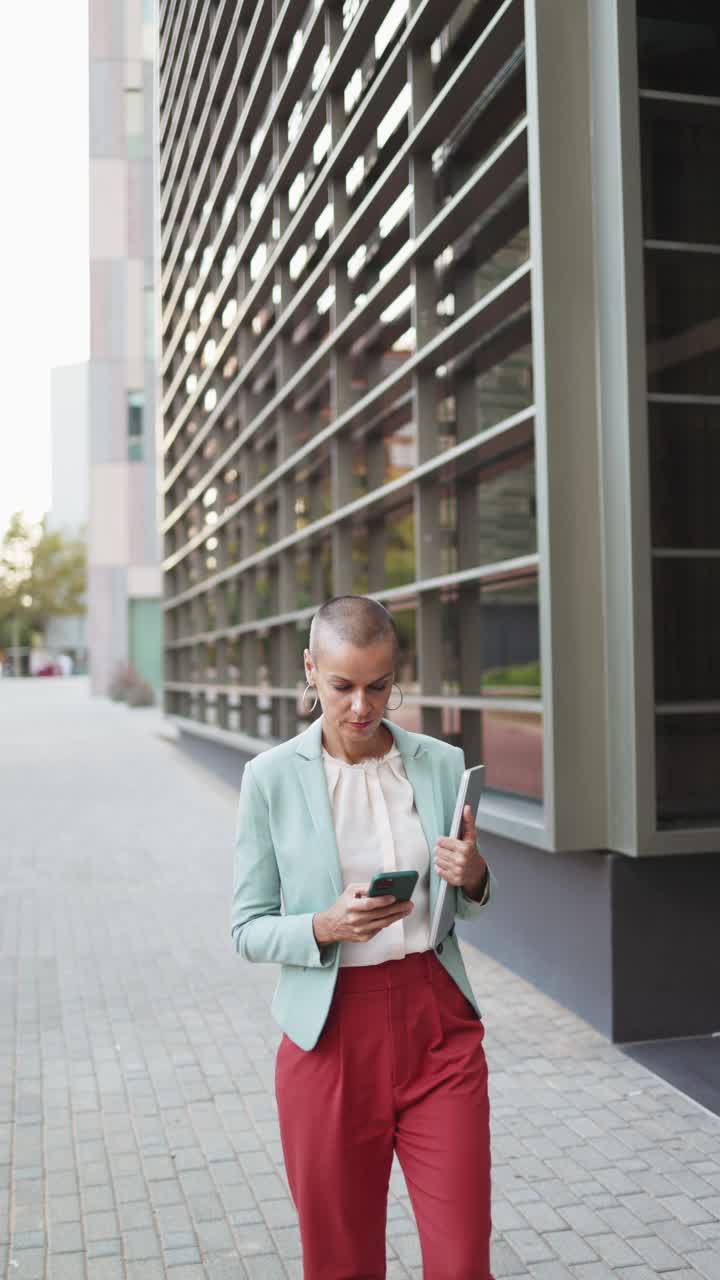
(440, 323)
(124, 588)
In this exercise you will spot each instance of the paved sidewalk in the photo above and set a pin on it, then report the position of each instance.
(138, 1134)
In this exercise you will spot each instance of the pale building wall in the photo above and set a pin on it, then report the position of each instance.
(123, 543)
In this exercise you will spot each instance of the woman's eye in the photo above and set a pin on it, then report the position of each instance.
(374, 688)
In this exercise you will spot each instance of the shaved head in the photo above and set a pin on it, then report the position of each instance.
(355, 620)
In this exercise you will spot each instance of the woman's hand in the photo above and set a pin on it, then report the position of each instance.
(459, 862)
(357, 918)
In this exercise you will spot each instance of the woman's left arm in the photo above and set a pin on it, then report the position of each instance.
(468, 905)
(462, 864)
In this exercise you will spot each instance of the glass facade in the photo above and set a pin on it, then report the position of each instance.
(403, 275)
(347, 362)
(679, 79)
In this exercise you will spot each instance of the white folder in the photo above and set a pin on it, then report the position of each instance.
(469, 792)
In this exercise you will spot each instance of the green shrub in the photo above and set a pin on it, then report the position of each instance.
(127, 686)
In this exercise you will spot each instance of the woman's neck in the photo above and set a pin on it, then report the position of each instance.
(353, 753)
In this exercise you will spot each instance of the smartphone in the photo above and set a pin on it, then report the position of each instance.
(399, 884)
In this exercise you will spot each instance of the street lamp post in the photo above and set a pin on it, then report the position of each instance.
(26, 603)
(16, 646)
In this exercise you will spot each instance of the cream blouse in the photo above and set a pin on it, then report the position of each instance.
(377, 828)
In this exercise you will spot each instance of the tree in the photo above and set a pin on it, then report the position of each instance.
(42, 576)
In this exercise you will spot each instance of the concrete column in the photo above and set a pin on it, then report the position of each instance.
(566, 428)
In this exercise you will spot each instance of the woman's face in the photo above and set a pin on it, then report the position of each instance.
(353, 685)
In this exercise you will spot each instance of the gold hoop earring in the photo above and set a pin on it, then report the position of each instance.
(402, 699)
(306, 690)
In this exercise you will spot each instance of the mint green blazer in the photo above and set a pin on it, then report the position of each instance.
(286, 867)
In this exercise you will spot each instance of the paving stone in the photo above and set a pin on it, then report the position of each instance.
(225, 1267)
(165, 1192)
(529, 1246)
(181, 1257)
(687, 1210)
(28, 1263)
(622, 1222)
(98, 1199)
(707, 1263)
(505, 1262)
(214, 1237)
(615, 1251)
(584, 1221)
(541, 1217)
(408, 1250)
(683, 1240)
(708, 1230)
(282, 1213)
(100, 1226)
(245, 1218)
(237, 1196)
(129, 1188)
(657, 1253)
(66, 1237)
(140, 1244)
(506, 1216)
(264, 1267)
(63, 1208)
(136, 1214)
(28, 1240)
(569, 1246)
(253, 1238)
(146, 1269)
(287, 1240)
(593, 1271)
(110, 1268)
(205, 1208)
(551, 1271)
(104, 1248)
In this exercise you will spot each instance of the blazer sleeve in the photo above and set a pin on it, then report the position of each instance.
(467, 908)
(259, 930)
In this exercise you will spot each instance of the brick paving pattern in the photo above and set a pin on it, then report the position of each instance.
(138, 1130)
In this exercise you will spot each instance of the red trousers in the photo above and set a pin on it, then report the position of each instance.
(399, 1066)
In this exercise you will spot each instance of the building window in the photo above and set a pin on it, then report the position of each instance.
(384, 430)
(678, 69)
(135, 407)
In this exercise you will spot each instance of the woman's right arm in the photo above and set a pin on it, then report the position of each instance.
(259, 930)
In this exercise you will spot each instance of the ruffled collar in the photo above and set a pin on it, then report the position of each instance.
(371, 763)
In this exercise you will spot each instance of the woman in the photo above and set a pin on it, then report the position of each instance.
(382, 1047)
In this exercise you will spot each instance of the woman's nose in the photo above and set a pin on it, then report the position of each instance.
(359, 701)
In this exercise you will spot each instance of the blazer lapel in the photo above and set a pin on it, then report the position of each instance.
(426, 790)
(311, 773)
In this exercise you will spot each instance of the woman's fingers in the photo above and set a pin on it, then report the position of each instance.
(366, 927)
(363, 918)
(469, 830)
(386, 913)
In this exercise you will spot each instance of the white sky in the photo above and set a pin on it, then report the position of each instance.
(43, 233)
